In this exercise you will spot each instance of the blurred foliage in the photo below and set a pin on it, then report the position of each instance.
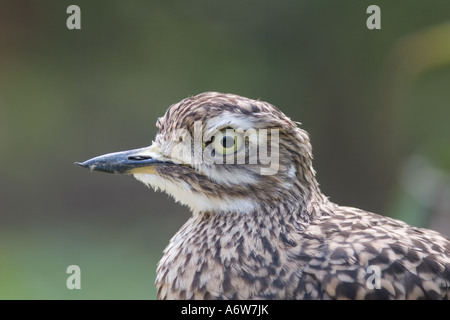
(370, 99)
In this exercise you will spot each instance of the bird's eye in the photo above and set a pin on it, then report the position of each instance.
(228, 141)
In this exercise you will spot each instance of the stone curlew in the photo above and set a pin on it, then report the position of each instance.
(260, 226)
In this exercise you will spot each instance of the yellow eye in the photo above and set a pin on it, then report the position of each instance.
(227, 141)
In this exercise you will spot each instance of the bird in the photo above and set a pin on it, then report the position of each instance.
(260, 227)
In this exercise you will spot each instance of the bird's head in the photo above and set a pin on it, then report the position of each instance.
(221, 153)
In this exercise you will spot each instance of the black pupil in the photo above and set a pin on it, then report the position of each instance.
(228, 142)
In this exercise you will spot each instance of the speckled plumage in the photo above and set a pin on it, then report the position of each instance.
(254, 236)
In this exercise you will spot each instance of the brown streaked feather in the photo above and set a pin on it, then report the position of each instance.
(294, 243)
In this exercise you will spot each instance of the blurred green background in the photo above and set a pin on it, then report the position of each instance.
(376, 103)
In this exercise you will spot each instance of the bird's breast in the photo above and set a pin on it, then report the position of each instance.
(216, 259)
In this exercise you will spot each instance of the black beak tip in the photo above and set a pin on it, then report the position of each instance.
(82, 164)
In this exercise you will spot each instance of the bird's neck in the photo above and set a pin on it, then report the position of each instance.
(210, 246)
(300, 200)
(298, 205)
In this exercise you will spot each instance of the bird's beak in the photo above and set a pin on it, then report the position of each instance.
(143, 160)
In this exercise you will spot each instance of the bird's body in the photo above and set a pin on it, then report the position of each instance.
(275, 256)
(257, 233)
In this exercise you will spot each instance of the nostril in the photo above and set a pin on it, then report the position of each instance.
(139, 158)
